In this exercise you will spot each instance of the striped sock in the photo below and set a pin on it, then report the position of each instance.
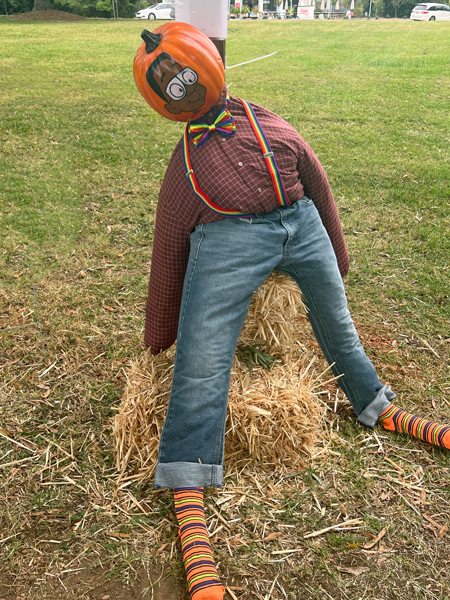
(202, 577)
(396, 419)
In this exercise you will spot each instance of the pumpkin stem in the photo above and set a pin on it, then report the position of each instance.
(152, 40)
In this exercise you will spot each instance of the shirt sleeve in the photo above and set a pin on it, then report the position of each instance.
(317, 187)
(169, 259)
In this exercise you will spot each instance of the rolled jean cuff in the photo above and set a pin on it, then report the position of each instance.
(186, 474)
(370, 414)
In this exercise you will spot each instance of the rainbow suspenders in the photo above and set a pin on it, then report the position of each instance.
(272, 167)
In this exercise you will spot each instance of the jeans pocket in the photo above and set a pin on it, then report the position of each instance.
(305, 200)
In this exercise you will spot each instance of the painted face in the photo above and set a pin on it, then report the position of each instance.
(179, 86)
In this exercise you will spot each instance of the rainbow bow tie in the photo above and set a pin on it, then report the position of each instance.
(224, 124)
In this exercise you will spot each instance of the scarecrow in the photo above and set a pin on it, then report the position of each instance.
(243, 195)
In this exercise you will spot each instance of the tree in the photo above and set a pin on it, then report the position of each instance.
(396, 5)
(17, 6)
(105, 6)
(42, 5)
(84, 8)
(359, 9)
(378, 5)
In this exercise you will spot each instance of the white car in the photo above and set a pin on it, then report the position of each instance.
(431, 12)
(156, 11)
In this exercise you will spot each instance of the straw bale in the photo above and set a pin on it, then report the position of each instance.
(272, 416)
(275, 417)
(269, 320)
(137, 426)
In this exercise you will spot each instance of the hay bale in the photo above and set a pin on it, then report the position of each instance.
(269, 320)
(275, 417)
(137, 426)
(272, 416)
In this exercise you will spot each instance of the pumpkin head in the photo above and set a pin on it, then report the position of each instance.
(178, 71)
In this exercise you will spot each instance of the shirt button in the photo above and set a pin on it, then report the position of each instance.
(241, 164)
(224, 139)
(259, 189)
(210, 115)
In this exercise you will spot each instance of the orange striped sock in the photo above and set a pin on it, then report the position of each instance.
(396, 419)
(202, 577)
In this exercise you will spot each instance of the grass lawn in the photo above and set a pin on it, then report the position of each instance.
(82, 158)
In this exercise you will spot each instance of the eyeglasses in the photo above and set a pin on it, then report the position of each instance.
(176, 88)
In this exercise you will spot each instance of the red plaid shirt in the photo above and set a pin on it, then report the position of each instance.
(233, 173)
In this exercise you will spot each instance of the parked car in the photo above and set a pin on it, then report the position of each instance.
(430, 12)
(156, 11)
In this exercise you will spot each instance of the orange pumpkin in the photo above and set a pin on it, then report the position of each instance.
(179, 72)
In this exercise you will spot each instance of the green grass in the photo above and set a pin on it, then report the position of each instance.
(371, 99)
(82, 158)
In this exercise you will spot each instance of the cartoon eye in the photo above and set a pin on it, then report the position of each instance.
(176, 90)
(188, 76)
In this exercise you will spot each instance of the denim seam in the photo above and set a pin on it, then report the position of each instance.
(180, 326)
(221, 438)
(330, 345)
(189, 283)
(286, 245)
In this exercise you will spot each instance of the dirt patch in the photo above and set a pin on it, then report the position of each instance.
(95, 585)
(47, 15)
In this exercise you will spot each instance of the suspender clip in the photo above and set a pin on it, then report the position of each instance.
(267, 154)
(189, 172)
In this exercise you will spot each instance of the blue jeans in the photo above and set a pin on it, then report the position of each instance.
(228, 261)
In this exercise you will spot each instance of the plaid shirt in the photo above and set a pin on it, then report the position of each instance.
(233, 173)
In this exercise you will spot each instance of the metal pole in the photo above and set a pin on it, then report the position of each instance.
(370, 8)
(6, 10)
